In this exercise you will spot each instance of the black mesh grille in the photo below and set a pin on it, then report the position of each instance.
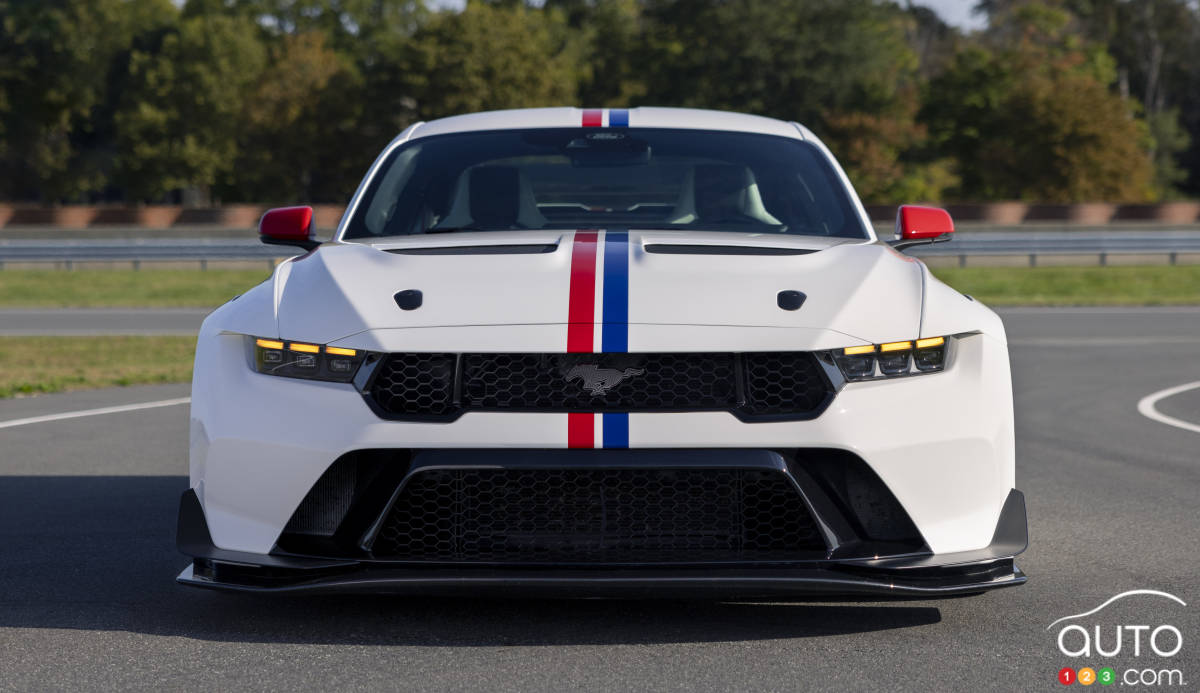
(416, 384)
(598, 516)
(562, 381)
(782, 382)
(752, 385)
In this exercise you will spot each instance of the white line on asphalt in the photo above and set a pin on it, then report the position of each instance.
(98, 332)
(1146, 407)
(22, 312)
(1102, 341)
(1095, 310)
(94, 412)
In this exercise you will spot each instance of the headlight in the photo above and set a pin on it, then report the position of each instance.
(892, 359)
(304, 360)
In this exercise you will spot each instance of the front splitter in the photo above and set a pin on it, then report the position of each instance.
(628, 584)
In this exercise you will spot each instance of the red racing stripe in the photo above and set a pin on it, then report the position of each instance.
(581, 430)
(581, 319)
(581, 302)
(593, 118)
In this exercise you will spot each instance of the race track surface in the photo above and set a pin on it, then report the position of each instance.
(86, 322)
(87, 562)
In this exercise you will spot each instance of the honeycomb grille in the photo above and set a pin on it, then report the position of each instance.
(752, 385)
(782, 382)
(598, 516)
(599, 382)
(416, 384)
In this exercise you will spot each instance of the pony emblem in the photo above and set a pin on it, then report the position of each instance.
(598, 381)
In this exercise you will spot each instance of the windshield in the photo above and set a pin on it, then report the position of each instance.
(569, 178)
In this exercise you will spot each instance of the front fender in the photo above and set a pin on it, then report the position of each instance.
(945, 311)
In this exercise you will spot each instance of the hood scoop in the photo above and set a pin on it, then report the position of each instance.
(690, 249)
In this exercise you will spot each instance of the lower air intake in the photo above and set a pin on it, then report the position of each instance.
(598, 516)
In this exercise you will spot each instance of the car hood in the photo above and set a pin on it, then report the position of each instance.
(863, 290)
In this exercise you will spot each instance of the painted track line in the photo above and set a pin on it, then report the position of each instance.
(94, 412)
(1096, 310)
(1146, 408)
(1102, 341)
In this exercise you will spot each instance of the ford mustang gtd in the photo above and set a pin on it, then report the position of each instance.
(603, 353)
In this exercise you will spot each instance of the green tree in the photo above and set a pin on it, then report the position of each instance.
(1156, 44)
(55, 62)
(361, 107)
(1170, 144)
(613, 35)
(177, 121)
(844, 68)
(487, 57)
(298, 125)
(791, 59)
(886, 155)
(349, 26)
(934, 41)
(1029, 114)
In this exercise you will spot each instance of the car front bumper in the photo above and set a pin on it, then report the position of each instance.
(941, 443)
(915, 575)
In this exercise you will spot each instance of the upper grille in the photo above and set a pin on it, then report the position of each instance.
(758, 385)
(598, 516)
(416, 384)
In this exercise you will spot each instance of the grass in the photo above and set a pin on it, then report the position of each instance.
(35, 365)
(998, 286)
(32, 365)
(1077, 286)
(123, 288)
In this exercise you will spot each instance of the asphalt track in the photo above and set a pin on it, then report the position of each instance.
(87, 598)
(64, 322)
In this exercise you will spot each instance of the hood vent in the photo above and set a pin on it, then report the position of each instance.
(679, 249)
(518, 249)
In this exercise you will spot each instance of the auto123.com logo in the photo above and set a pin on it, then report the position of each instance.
(1107, 646)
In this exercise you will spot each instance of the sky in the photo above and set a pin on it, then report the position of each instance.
(956, 12)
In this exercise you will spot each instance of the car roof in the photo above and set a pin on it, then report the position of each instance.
(650, 117)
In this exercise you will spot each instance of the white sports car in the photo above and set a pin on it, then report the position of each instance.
(603, 352)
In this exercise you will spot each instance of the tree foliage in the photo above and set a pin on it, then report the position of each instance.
(186, 86)
(296, 122)
(1033, 117)
(1156, 46)
(55, 57)
(286, 100)
(487, 57)
(611, 34)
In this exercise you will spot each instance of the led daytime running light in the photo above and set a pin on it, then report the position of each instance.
(891, 359)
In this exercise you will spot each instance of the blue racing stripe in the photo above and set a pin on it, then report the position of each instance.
(614, 333)
(614, 337)
(616, 430)
(618, 118)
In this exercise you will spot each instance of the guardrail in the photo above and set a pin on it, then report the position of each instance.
(245, 216)
(240, 216)
(969, 248)
(1099, 247)
(202, 253)
(1084, 214)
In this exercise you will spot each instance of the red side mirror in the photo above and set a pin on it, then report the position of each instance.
(914, 222)
(288, 226)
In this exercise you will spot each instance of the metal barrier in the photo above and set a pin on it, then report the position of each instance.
(969, 248)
